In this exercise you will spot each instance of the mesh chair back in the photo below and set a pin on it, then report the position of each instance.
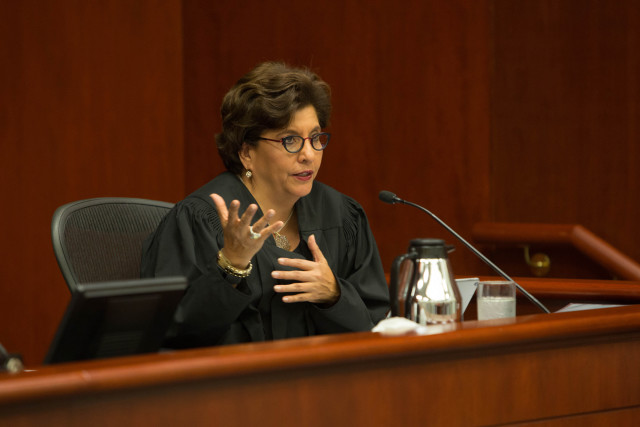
(98, 240)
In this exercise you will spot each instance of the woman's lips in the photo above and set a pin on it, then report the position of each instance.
(304, 175)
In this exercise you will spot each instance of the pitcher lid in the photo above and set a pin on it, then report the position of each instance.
(425, 242)
(429, 248)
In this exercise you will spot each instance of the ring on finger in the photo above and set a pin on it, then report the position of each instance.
(254, 235)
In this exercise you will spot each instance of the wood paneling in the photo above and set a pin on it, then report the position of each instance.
(91, 106)
(494, 110)
(565, 113)
(410, 94)
(567, 237)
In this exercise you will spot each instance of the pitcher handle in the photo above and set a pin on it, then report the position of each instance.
(393, 282)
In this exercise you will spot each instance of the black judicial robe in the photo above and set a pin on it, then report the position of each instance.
(212, 311)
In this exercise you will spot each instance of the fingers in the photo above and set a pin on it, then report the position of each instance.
(300, 297)
(305, 273)
(221, 207)
(259, 225)
(308, 292)
(234, 206)
(313, 280)
(290, 288)
(245, 219)
(230, 214)
(272, 228)
(300, 292)
(315, 249)
(303, 264)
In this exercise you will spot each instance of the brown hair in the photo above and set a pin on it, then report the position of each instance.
(266, 98)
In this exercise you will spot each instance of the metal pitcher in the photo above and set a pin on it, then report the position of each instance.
(422, 286)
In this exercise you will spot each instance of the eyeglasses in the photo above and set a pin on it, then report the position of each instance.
(294, 143)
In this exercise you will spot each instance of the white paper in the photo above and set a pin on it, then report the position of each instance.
(579, 307)
(467, 288)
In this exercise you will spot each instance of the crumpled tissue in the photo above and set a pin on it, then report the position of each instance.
(395, 326)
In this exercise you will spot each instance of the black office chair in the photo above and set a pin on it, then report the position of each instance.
(97, 240)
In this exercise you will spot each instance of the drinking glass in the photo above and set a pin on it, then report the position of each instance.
(496, 299)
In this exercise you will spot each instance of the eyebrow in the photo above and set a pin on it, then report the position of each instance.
(293, 132)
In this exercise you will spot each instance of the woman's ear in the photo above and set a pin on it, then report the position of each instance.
(246, 155)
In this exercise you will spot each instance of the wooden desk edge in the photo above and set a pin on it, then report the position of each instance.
(308, 353)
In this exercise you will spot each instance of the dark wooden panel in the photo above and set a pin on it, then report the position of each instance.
(91, 106)
(410, 85)
(565, 114)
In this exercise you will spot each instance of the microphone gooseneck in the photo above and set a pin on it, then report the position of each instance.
(391, 198)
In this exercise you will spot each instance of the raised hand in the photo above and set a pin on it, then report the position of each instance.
(241, 241)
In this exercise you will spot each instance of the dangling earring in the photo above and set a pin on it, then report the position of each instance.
(248, 173)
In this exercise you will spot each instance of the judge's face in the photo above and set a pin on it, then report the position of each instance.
(281, 176)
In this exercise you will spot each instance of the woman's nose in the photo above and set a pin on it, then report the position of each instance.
(307, 152)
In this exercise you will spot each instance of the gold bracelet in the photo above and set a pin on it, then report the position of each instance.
(226, 265)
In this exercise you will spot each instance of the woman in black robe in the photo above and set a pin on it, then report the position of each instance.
(288, 256)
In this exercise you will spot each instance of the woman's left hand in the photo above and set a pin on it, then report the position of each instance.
(313, 281)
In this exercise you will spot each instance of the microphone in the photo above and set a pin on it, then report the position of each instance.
(391, 198)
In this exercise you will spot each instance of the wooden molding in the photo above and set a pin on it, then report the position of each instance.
(574, 235)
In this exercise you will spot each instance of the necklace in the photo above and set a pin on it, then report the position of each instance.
(281, 241)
